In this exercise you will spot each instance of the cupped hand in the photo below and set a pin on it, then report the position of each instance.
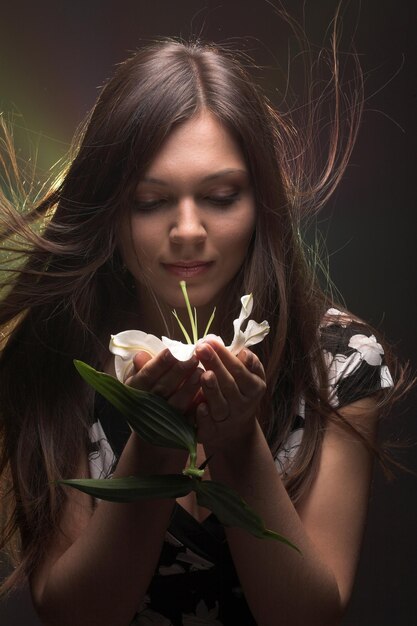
(232, 388)
(176, 381)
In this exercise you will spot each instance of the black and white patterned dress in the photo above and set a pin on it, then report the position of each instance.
(195, 582)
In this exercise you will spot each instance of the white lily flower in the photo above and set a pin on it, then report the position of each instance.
(254, 332)
(184, 351)
(126, 344)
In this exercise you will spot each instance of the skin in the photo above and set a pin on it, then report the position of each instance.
(197, 208)
(111, 550)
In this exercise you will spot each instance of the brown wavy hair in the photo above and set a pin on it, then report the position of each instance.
(63, 287)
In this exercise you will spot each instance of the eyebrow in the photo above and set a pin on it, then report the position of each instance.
(219, 174)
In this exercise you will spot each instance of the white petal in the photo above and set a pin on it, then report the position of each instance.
(127, 343)
(211, 336)
(245, 311)
(255, 332)
(122, 367)
(181, 351)
(247, 304)
(238, 343)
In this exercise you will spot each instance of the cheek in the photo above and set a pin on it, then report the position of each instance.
(145, 238)
(132, 246)
(237, 238)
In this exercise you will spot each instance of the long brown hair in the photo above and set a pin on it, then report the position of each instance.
(64, 295)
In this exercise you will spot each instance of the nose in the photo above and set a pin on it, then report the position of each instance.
(188, 226)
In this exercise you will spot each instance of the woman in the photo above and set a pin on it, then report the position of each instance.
(185, 171)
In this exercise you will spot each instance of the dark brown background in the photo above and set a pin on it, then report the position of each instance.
(53, 55)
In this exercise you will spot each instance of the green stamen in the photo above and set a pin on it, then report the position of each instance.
(209, 322)
(192, 316)
(190, 313)
(181, 325)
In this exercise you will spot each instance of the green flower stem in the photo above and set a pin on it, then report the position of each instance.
(158, 423)
(193, 457)
(193, 472)
(192, 469)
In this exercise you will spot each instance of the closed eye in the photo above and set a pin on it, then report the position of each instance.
(224, 200)
(149, 205)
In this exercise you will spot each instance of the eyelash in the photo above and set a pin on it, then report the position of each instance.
(217, 201)
(149, 205)
(224, 200)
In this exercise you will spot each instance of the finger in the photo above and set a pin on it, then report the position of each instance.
(191, 410)
(175, 377)
(216, 404)
(161, 374)
(252, 363)
(148, 371)
(140, 359)
(254, 388)
(225, 378)
(251, 378)
(185, 397)
(233, 376)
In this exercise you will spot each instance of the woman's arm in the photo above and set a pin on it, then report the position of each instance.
(98, 565)
(281, 586)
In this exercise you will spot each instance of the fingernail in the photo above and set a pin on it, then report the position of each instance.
(247, 357)
(168, 356)
(205, 352)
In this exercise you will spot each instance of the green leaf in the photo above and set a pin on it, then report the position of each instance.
(232, 510)
(150, 416)
(160, 424)
(134, 488)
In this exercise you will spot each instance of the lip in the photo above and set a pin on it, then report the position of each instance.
(187, 269)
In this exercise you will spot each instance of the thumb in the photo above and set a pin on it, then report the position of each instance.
(140, 359)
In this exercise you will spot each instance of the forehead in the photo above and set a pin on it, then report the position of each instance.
(197, 147)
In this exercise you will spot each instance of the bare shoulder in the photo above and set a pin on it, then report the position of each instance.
(76, 514)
